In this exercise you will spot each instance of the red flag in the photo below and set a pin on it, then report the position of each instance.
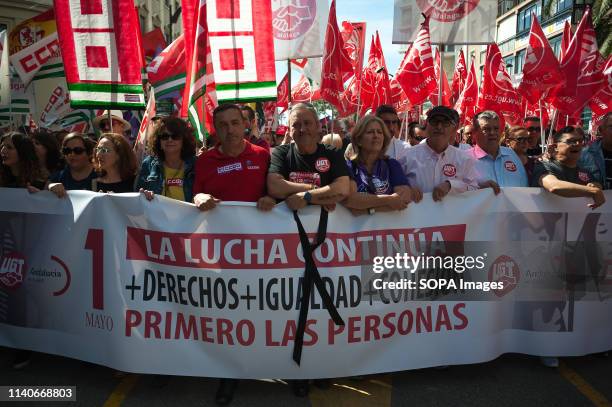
(349, 97)
(353, 35)
(541, 69)
(282, 94)
(375, 86)
(153, 43)
(301, 92)
(466, 103)
(583, 68)
(565, 39)
(602, 102)
(533, 110)
(336, 62)
(401, 103)
(190, 19)
(459, 76)
(497, 92)
(416, 73)
(446, 91)
(136, 25)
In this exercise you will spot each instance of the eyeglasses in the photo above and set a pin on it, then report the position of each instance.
(103, 150)
(574, 142)
(167, 136)
(533, 128)
(444, 123)
(520, 139)
(76, 150)
(392, 122)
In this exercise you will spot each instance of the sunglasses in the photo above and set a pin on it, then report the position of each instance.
(76, 150)
(168, 136)
(533, 128)
(575, 142)
(103, 150)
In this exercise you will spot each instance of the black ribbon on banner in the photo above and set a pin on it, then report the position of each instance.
(311, 277)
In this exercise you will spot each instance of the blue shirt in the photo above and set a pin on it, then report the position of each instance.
(386, 175)
(506, 169)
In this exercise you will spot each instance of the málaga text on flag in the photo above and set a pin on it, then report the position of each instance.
(540, 69)
(34, 48)
(98, 43)
(416, 73)
(298, 27)
(242, 49)
(452, 21)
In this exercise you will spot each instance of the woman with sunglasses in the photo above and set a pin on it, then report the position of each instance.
(47, 151)
(378, 183)
(79, 173)
(115, 164)
(517, 138)
(20, 167)
(169, 170)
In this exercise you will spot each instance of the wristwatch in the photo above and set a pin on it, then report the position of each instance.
(307, 197)
(371, 211)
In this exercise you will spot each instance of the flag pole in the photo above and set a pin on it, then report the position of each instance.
(542, 135)
(440, 51)
(110, 120)
(289, 84)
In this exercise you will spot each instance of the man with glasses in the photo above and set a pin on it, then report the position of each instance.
(397, 148)
(416, 133)
(496, 166)
(435, 166)
(562, 175)
(597, 158)
(532, 124)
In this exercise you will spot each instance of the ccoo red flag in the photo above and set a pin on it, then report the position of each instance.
(416, 73)
(541, 69)
(459, 76)
(497, 92)
(582, 66)
(336, 62)
(466, 103)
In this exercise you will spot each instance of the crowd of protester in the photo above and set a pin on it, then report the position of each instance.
(374, 165)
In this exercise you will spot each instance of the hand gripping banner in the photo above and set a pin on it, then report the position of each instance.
(99, 46)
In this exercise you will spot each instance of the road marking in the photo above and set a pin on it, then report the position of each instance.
(373, 391)
(121, 391)
(583, 386)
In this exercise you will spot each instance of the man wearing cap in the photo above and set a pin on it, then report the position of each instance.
(119, 125)
(496, 166)
(435, 166)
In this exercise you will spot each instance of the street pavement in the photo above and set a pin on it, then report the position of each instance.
(511, 380)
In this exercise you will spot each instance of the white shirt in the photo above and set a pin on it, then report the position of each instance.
(397, 148)
(426, 169)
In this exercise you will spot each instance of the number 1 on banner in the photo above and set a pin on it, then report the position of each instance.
(95, 243)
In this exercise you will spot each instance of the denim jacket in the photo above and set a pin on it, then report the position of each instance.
(592, 160)
(151, 176)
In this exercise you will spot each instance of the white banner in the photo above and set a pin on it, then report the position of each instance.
(158, 287)
(452, 21)
(299, 28)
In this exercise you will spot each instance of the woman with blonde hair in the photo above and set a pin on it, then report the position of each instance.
(378, 183)
(115, 164)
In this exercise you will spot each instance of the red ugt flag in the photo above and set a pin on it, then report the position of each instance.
(336, 62)
(416, 73)
(441, 79)
(459, 76)
(466, 104)
(541, 69)
(497, 92)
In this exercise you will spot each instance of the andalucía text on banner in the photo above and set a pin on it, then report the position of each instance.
(452, 21)
(99, 43)
(298, 28)
(34, 48)
(242, 49)
(114, 279)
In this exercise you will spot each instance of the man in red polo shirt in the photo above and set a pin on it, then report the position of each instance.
(234, 170)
